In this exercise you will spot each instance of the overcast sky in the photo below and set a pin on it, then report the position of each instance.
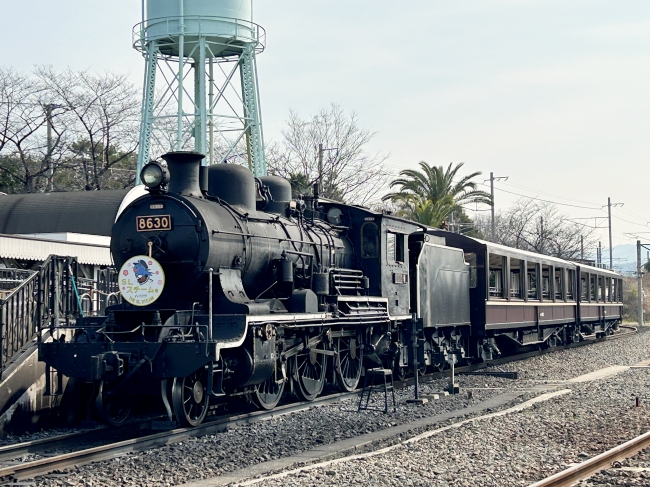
(553, 94)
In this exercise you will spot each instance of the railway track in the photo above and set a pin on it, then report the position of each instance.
(29, 469)
(106, 443)
(586, 469)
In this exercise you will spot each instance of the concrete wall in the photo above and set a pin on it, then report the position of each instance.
(23, 405)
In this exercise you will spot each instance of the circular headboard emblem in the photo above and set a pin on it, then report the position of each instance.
(142, 280)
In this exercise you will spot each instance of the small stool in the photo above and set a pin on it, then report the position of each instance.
(385, 386)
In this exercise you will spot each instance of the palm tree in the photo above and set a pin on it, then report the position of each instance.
(429, 196)
(424, 211)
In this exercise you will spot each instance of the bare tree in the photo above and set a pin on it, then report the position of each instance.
(538, 227)
(101, 120)
(22, 118)
(348, 171)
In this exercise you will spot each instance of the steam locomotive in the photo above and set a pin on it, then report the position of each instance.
(231, 288)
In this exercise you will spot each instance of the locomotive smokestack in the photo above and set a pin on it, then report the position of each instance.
(184, 168)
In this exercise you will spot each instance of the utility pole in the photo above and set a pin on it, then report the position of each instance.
(50, 167)
(639, 275)
(599, 254)
(492, 179)
(609, 217)
(582, 248)
(320, 165)
(50, 145)
(541, 234)
(492, 194)
(321, 151)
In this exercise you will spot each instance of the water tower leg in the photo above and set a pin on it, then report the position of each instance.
(211, 113)
(147, 108)
(180, 77)
(254, 138)
(200, 122)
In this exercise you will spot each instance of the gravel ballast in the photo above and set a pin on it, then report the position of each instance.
(512, 450)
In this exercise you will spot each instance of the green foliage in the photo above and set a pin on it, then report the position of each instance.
(9, 183)
(299, 184)
(431, 195)
(646, 266)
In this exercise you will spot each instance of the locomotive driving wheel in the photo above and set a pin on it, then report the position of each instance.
(349, 360)
(190, 398)
(309, 369)
(112, 409)
(267, 395)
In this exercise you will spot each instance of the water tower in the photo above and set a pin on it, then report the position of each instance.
(200, 84)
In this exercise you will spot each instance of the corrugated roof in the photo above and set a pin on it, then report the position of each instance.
(87, 212)
(29, 248)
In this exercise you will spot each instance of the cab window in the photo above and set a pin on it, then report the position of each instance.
(369, 240)
(394, 248)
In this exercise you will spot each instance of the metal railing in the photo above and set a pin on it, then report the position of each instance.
(18, 318)
(96, 295)
(231, 31)
(36, 299)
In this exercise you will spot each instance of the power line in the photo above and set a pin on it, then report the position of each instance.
(628, 221)
(549, 194)
(548, 201)
(633, 214)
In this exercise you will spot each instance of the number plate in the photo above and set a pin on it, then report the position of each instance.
(153, 223)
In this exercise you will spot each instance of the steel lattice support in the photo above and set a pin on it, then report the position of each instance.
(254, 136)
(147, 108)
(192, 99)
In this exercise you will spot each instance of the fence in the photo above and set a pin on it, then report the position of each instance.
(35, 299)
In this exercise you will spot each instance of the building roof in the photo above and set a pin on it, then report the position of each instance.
(84, 212)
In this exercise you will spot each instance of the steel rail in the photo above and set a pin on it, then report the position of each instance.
(12, 451)
(587, 468)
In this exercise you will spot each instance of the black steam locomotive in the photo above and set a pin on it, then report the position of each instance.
(231, 288)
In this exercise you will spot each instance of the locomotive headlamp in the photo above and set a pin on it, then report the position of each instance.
(154, 175)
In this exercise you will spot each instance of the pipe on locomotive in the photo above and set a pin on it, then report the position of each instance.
(184, 169)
